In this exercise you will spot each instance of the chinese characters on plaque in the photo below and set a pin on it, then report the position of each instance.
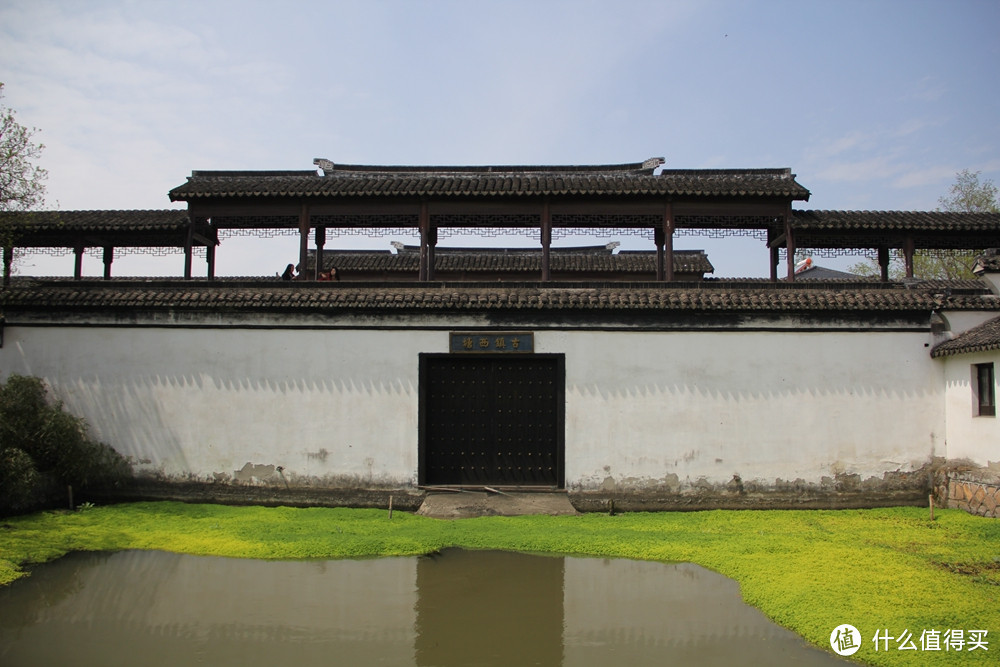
(496, 342)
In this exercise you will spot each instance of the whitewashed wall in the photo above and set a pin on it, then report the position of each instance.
(969, 435)
(643, 409)
(667, 409)
(320, 404)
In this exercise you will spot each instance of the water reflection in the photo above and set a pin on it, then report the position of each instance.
(454, 608)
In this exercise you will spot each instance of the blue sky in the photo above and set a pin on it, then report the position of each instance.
(874, 104)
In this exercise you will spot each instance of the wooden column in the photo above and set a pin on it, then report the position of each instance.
(78, 262)
(8, 261)
(775, 260)
(109, 256)
(658, 241)
(425, 233)
(668, 242)
(210, 259)
(188, 249)
(883, 263)
(789, 247)
(320, 242)
(908, 248)
(546, 238)
(304, 225)
(432, 240)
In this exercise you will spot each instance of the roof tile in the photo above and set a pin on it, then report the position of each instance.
(983, 338)
(491, 181)
(27, 295)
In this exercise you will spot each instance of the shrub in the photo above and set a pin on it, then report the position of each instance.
(19, 480)
(41, 443)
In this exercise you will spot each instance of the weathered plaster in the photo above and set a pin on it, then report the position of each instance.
(763, 413)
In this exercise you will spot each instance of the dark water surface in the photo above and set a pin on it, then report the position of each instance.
(456, 608)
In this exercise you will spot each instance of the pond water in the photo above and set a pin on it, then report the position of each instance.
(453, 608)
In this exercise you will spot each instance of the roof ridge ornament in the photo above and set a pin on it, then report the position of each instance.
(325, 165)
(653, 163)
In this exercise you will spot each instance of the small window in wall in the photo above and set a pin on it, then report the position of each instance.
(985, 395)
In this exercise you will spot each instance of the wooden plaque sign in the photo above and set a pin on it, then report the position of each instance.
(493, 342)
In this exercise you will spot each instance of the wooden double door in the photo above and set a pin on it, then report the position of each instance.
(492, 420)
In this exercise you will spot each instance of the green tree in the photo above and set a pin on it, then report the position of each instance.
(43, 447)
(967, 195)
(22, 182)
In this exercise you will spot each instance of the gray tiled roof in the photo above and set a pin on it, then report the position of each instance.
(989, 262)
(983, 338)
(97, 221)
(894, 220)
(816, 272)
(462, 297)
(54, 229)
(512, 260)
(504, 182)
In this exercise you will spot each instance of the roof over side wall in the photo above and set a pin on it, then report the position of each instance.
(523, 260)
(76, 296)
(982, 338)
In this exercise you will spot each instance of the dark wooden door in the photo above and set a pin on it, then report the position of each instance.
(492, 420)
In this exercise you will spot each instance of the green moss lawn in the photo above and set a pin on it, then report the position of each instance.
(810, 571)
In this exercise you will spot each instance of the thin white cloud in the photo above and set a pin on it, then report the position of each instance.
(868, 169)
(929, 176)
(825, 149)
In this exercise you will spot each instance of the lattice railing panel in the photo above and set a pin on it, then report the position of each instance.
(727, 222)
(832, 253)
(559, 233)
(500, 221)
(390, 221)
(264, 222)
(706, 233)
(609, 220)
(487, 232)
(269, 233)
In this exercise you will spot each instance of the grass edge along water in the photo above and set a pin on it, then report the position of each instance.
(884, 570)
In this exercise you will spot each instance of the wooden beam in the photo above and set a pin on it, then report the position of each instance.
(201, 239)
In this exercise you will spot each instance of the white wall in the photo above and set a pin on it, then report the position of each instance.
(209, 401)
(643, 409)
(969, 435)
(646, 407)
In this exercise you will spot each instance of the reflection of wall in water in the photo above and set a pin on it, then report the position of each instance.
(493, 608)
(454, 608)
(619, 611)
(174, 609)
